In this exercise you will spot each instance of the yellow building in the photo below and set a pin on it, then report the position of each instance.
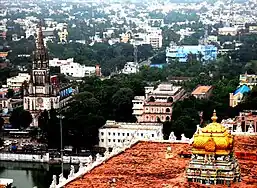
(237, 97)
(63, 35)
(126, 37)
(213, 160)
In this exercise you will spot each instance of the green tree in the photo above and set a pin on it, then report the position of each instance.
(122, 103)
(10, 93)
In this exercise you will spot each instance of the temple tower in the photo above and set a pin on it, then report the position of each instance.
(213, 160)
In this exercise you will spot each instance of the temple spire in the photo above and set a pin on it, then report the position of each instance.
(214, 117)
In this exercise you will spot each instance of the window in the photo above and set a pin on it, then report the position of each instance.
(167, 110)
(102, 133)
(102, 140)
(113, 140)
(127, 134)
(123, 134)
(151, 99)
(118, 134)
(109, 133)
(152, 135)
(109, 140)
(118, 140)
(142, 134)
(113, 134)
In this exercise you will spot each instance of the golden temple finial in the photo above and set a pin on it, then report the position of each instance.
(214, 117)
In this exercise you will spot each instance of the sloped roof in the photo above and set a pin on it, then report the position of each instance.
(144, 165)
(243, 89)
(201, 90)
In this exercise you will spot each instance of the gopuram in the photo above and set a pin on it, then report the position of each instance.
(213, 160)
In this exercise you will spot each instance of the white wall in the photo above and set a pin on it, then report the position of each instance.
(77, 70)
(130, 68)
(24, 157)
(56, 62)
(111, 136)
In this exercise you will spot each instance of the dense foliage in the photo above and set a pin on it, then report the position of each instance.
(110, 99)
(109, 57)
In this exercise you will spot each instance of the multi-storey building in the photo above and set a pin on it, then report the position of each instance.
(17, 81)
(181, 53)
(155, 40)
(114, 134)
(236, 97)
(63, 35)
(252, 29)
(130, 68)
(156, 105)
(228, 31)
(77, 70)
(248, 79)
(42, 94)
(246, 83)
(70, 68)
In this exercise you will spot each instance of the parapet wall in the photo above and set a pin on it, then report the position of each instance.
(24, 157)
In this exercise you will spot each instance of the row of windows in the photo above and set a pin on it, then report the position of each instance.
(123, 134)
(158, 110)
(158, 118)
(138, 102)
(119, 140)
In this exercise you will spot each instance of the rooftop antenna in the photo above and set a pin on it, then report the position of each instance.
(231, 14)
(92, 15)
(206, 35)
(135, 54)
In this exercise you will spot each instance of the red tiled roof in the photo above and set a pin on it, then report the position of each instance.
(144, 166)
(201, 90)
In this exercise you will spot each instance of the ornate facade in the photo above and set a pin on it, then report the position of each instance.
(156, 105)
(213, 160)
(41, 94)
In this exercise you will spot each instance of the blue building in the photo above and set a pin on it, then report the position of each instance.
(160, 66)
(180, 53)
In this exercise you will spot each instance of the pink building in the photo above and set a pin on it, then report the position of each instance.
(157, 103)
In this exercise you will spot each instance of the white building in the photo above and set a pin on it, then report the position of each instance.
(138, 106)
(56, 62)
(77, 70)
(228, 30)
(30, 32)
(130, 68)
(70, 68)
(17, 81)
(116, 133)
(153, 36)
(155, 40)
